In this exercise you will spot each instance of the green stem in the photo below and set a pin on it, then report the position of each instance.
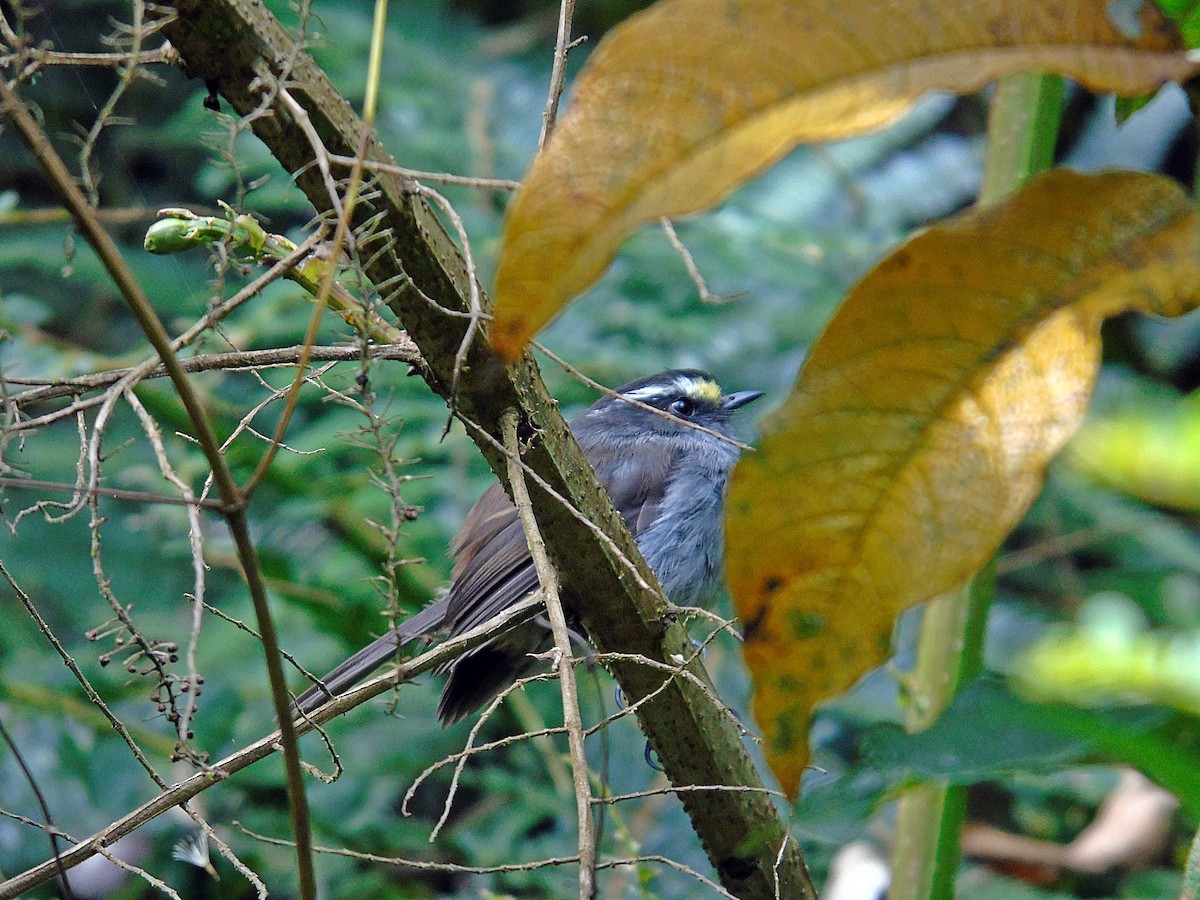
(1022, 131)
(950, 653)
(178, 230)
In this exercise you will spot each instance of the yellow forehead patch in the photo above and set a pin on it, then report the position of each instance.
(705, 389)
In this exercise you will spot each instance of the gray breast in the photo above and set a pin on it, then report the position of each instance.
(684, 545)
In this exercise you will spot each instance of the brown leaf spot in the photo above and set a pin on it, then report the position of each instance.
(751, 626)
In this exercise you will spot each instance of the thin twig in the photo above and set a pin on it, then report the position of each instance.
(689, 263)
(127, 866)
(460, 758)
(342, 237)
(675, 671)
(242, 626)
(674, 864)
(34, 823)
(320, 154)
(143, 656)
(558, 71)
(51, 829)
(193, 681)
(53, 215)
(129, 70)
(459, 766)
(1054, 546)
(567, 505)
(92, 695)
(572, 720)
(457, 868)
(487, 184)
(779, 858)
(671, 789)
(226, 851)
(662, 413)
(44, 506)
(678, 670)
(115, 493)
(164, 55)
(274, 443)
(473, 295)
(230, 362)
(729, 626)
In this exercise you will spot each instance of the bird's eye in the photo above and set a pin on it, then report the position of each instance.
(683, 407)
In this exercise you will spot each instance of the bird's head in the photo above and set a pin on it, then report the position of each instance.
(689, 395)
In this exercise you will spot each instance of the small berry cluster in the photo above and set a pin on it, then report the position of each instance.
(145, 657)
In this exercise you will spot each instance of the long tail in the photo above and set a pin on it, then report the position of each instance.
(371, 657)
(480, 674)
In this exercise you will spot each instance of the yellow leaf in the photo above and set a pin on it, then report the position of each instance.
(687, 100)
(920, 428)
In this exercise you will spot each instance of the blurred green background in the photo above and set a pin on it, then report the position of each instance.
(463, 89)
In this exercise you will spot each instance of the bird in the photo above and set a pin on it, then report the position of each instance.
(667, 479)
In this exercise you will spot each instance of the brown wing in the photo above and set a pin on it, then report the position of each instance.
(492, 571)
(492, 568)
(636, 480)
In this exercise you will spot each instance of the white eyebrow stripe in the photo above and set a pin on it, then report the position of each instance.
(680, 385)
(651, 392)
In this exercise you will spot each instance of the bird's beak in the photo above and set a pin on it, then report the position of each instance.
(741, 398)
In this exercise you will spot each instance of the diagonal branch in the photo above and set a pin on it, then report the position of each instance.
(240, 50)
